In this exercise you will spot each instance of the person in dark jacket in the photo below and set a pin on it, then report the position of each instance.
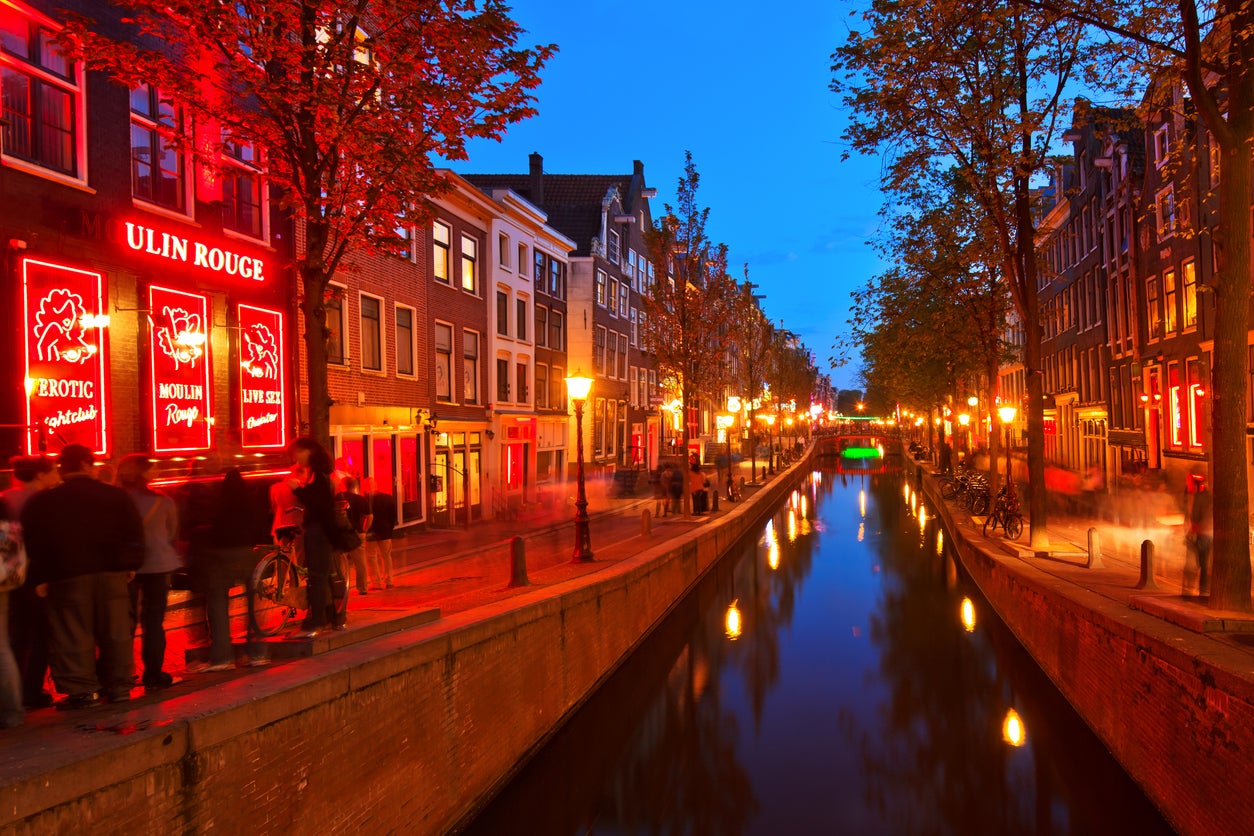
(382, 529)
(85, 539)
(311, 483)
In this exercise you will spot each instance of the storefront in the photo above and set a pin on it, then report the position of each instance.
(390, 452)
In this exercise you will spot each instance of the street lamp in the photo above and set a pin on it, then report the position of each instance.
(963, 420)
(770, 443)
(577, 386)
(1007, 415)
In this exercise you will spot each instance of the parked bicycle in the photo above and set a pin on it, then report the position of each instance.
(969, 488)
(1006, 513)
(279, 589)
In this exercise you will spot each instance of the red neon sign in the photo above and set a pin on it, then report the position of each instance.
(189, 251)
(178, 351)
(261, 392)
(65, 357)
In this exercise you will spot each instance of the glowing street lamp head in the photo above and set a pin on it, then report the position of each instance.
(733, 404)
(972, 401)
(1007, 414)
(964, 419)
(578, 386)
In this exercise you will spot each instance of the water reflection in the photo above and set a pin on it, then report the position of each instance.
(856, 693)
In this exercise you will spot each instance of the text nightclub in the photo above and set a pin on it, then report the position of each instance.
(65, 357)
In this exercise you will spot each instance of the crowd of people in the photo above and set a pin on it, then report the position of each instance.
(96, 551)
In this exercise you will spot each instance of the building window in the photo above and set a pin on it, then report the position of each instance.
(442, 237)
(371, 333)
(558, 387)
(1165, 212)
(335, 326)
(635, 382)
(614, 297)
(404, 341)
(522, 259)
(1161, 148)
(470, 366)
(542, 386)
(612, 248)
(600, 286)
(42, 97)
(520, 378)
(157, 173)
(634, 330)
(502, 313)
(622, 356)
(542, 325)
(598, 427)
(598, 350)
(1174, 405)
(443, 362)
(557, 279)
(503, 249)
(520, 307)
(557, 331)
(1197, 402)
(623, 291)
(502, 380)
(1155, 313)
(470, 250)
(241, 187)
(1169, 301)
(1189, 270)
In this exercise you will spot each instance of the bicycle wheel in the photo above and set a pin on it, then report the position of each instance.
(948, 490)
(1014, 526)
(980, 503)
(272, 595)
(990, 523)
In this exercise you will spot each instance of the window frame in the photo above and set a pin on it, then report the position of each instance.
(336, 303)
(502, 312)
(158, 146)
(541, 317)
(380, 335)
(447, 355)
(541, 392)
(520, 317)
(469, 252)
(412, 342)
(236, 168)
(442, 253)
(1165, 224)
(470, 360)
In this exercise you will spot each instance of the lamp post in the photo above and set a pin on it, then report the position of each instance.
(964, 421)
(770, 445)
(577, 387)
(1007, 415)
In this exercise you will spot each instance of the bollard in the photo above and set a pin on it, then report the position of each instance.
(646, 522)
(518, 563)
(1147, 566)
(1095, 550)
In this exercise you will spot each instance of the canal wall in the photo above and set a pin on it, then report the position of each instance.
(1175, 708)
(411, 732)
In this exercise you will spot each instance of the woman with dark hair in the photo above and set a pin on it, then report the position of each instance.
(311, 483)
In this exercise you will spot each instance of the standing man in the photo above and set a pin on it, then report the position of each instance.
(28, 619)
(360, 518)
(85, 539)
(379, 538)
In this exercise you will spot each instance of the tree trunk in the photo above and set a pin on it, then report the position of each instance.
(1038, 532)
(1230, 579)
(994, 438)
(313, 304)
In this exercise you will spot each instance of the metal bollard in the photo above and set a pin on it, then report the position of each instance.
(1147, 566)
(518, 563)
(646, 522)
(1095, 550)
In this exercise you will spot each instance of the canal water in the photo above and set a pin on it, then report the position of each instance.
(837, 674)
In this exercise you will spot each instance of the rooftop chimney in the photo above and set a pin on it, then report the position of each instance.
(537, 179)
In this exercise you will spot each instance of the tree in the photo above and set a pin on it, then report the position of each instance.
(753, 337)
(1211, 52)
(689, 309)
(350, 101)
(978, 86)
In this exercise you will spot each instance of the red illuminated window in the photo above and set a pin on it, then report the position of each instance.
(65, 358)
(262, 395)
(42, 96)
(1197, 403)
(178, 349)
(156, 165)
(242, 188)
(1175, 415)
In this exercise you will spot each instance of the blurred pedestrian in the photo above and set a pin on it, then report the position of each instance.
(360, 518)
(311, 484)
(237, 526)
(13, 566)
(1201, 530)
(85, 540)
(696, 486)
(382, 528)
(150, 588)
(676, 489)
(28, 613)
(659, 481)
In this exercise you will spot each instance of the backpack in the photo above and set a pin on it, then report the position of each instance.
(345, 537)
(12, 557)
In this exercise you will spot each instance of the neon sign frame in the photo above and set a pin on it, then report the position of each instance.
(271, 431)
(75, 350)
(181, 348)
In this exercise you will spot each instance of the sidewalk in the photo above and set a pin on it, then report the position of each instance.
(439, 573)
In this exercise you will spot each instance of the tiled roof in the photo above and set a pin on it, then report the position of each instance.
(572, 201)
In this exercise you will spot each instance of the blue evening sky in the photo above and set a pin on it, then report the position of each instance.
(744, 87)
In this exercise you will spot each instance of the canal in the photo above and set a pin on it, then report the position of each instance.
(836, 674)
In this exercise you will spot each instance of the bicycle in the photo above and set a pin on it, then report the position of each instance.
(276, 593)
(1005, 513)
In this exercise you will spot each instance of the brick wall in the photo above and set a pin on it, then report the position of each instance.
(408, 733)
